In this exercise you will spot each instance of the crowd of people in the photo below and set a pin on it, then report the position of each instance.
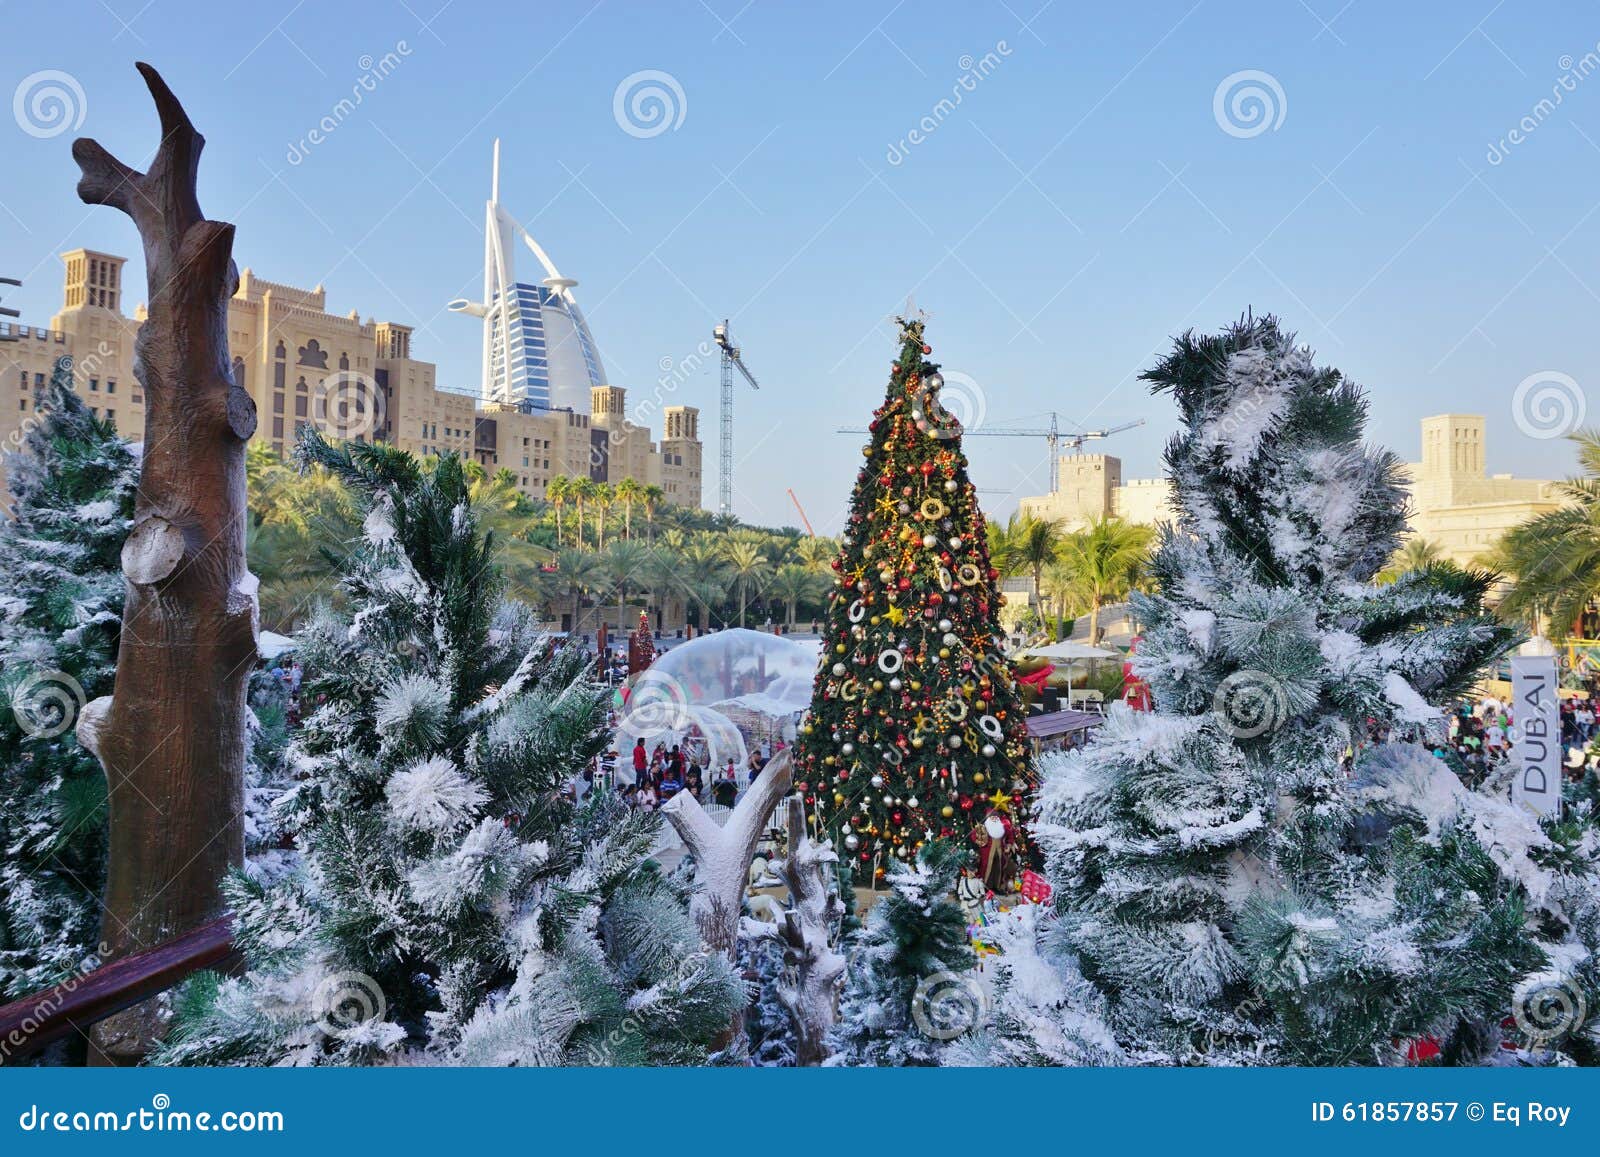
(1481, 735)
(290, 678)
(663, 772)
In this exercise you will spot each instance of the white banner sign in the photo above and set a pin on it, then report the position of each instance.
(1536, 734)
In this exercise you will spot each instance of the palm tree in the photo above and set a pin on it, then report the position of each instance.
(604, 495)
(1025, 543)
(793, 584)
(1100, 565)
(748, 566)
(652, 496)
(1414, 555)
(629, 491)
(505, 512)
(626, 567)
(703, 575)
(1554, 558)
(580, 572)
(582, 489)
(817, 554)
(556, 493)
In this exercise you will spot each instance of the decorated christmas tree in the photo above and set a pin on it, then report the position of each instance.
(453, 906)
(1273, 866)
(72, 487)
(641, 645)
(916, 732)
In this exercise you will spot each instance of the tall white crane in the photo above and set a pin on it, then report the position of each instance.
(730, 361)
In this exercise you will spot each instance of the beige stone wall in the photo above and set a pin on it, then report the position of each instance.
(356, 378)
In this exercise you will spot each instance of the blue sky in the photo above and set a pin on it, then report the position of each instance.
(1082, 203)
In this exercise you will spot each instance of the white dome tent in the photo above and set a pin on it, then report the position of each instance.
(717, 695)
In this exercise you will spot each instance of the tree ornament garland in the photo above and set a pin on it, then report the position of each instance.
(915, 719)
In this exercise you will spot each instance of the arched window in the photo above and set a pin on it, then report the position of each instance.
(238, 372)
(312, 354)
(300, 386)
(344, 361)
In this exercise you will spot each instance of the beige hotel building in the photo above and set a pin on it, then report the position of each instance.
(1455, 503)
(353, 378)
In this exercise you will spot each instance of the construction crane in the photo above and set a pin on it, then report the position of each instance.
(1053, 436)
(794, 499)
(730, 361)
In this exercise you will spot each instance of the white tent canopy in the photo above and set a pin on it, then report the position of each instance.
(1066, 651)
(270, 644)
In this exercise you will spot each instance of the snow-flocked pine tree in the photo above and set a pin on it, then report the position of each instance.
(910, 987)
(453, 906)
(1273, 867)
(72, 484)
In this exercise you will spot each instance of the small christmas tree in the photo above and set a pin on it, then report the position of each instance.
(1273, 867)
(909, 988)
(454, 906)
(641, 645)
(72, 488)
(916, 731)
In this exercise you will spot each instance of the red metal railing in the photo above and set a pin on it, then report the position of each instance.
(29, 1024)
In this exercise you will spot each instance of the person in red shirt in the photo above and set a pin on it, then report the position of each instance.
(641, 761)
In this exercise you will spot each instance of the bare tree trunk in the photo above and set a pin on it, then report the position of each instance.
(814, 971)
(722, 857)
(171, 736)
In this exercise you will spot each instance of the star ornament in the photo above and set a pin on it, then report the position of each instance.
(895, 615)
(1000, 801)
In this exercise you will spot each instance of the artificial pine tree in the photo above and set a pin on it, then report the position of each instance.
(454, 906)
(1272, 867)
(72, 487)
(916, 731)
(909, 988)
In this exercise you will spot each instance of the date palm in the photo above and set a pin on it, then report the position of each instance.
(1099, 565)
(629, 493)
(1553, 560)
(627, 567)
(1416, 554)
(651, 497)
(748, 567)
(580, 572)
(1025, 545)
(604, 496)
(557, 492)
(793, 584)
(582, 491)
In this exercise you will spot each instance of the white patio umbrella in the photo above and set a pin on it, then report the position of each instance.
(1065, 652)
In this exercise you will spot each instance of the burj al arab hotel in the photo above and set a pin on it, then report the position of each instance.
(538, 353)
